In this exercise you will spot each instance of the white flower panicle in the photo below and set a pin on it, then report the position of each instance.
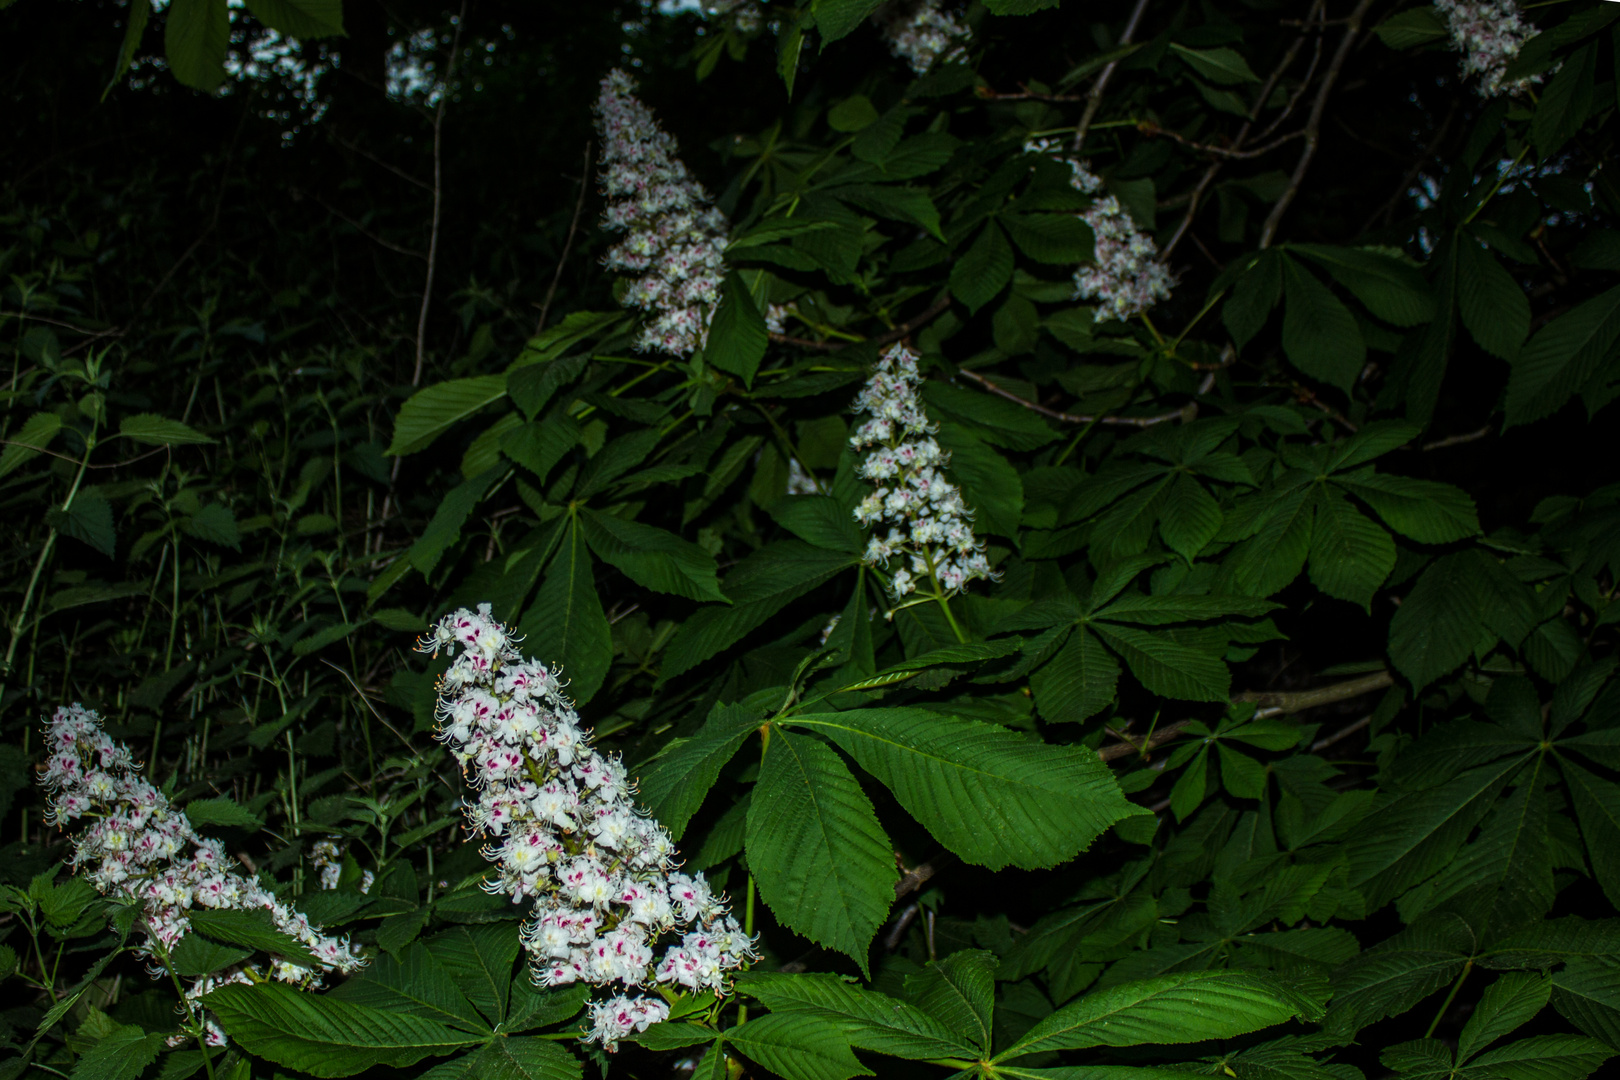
(565, 833)
(1489, 34)
(673, 236)
(1125, 276)
(138, 848)
(920, 33)
(930, 528)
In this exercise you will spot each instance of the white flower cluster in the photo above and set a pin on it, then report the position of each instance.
(746, 15)
(140, 849)
(1125, 276)
(930, 528)
(328, 861)
(920, 33)
(565, 832)
(674, 237)
(1489, 34)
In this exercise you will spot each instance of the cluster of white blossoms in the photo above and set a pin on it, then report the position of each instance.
(1125, 276)
(1489, 34)
(327, 859)
(565, 832)
(138, 848)
(673, 236)
(930, 528)
(746, 15)
(920, 33)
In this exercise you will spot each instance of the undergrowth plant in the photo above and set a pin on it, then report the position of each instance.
(982, 540)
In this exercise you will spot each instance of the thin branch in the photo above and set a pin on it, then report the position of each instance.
(1147, 127)
(363, 231)
(1159, 737)
(905, 329)
(568, 245)
(1024, 94)
(1457, 440)
(58, 322)
(918, 875)
(1313, 126)
(1095, 96)
(1343, 733)
(1293, 701)
(438, 199)
(395, 169)
(1072, 418)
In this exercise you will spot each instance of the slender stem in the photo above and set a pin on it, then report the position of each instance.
(1446, 1004)
(945, 606)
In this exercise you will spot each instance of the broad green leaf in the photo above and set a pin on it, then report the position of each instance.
(1077, 682)
(868, 1020)
(1566, 101)
(1396, 974)
(1544, 1057)
(798, 1046)
(1509, 1002)
(652, 557)
(1504, 878)
(216, 524)
(140, 12)
(511, 1059)
(989, 795)
(300, 18)
(532, 384)
(839, 18)
(1189, 518)
(1350, 554)
(324, 1036)
(1255, 294)
(759, 587)
(222, 810)
(567, 618)
(445, 527)
(1438, 621)
(1389, 288)
(539, 446)
(433, 410)
(989, 484)
(1412, 27)
(1597, 808)
(983, 269)
(1169, 608)
(1189, 1007)
(479, 960)
(251, 928)
(1425, 510)
(737, 335)
(1224, 66)
(1319, 334)
(1587, 994)
(89, 519)
(1057, 239)
(818, 854)
(819, 520)
(122, 1054)
(1273, 558)
(26, 443)
(1168, 667)
(154, 430)
(195, 955)
(960, 991)
(906, 204)
(414, 983)
(684, 771)
(196, 35)
(534, 1008)
(1561, 357)
(992, 419)
(1494, 307)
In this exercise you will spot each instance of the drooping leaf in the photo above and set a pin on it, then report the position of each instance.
(960, 991)
(1078, 681)
(195, 38)
(684, 771)
(1319, 334)
(1350, 554)
(737, 335)
(869, 1020)
(567, 617)
(433, 410)
(1166, 666)
(300, 18)
(1561, 357)
(1494, 307)
(652, 557)
(797, 1046)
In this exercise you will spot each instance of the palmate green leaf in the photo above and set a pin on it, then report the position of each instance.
(1438, 622)
(1587, 994)
(1421, 832)
(737, 334)
(867, 1019)
(567, 615)
(989, 484)
(1189, 518)
(1597, 808)
(1389, 288)
(479, 960)
(1427, 511)
(798, 1046)
(817, 852)
(445, 527)
(652, 557)
(992, 419)
(1544, 1057)
(1494, 307)
(1396, 974)
(253, 929)
(684, 771)
(983, 269)
(1351, 554)
(1167, 667)
(300, 18)
(1078, 682)
(1561, 357)
(195, 37)
(1187, 1007)
(759, 587)
(414, 983)
(1512, 1000)
(987, 794)
(1274, 556)
(1503, 879)
(511, 1059)
(960, 991)
(433, 410)
(1319, 334)
(323, 1036)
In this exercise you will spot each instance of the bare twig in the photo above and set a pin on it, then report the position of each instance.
(395, 169)
(1307, 396)
(1387, 210)
(1457, 440)
(363, 231)
(914, 878)
(1159, 737)
(1095, 96)
(1229, 153)
(1343, 733)
(438, 199)
(1024, 94)
(905, 329)
(1293, 701)
(1313, 126)
(568, 245)
(1072, 418)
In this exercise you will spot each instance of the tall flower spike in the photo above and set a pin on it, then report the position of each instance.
(1489, 34)
(138, 848)
(930, 528)
(673, 236)
(920, 33)
(1125, 276)
(564, 832)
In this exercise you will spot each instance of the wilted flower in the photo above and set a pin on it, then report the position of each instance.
(920, 33)
(1489, 34)
(1125, 276)
(674, 237)
(565, 832)
(930, 528)
(138, 848)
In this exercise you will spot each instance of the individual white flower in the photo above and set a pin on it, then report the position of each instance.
(601, 875)
(673, 238)
(919, 33)
(929, 525)
(1489, 34)
(138, 848)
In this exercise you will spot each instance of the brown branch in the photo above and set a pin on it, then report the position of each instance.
(396, 170)
(1307, 396)
(1293, 701)
(1313, 126)
(1024, 94)
(1147, 127)
(1072, 418)
(906, 328)
(568, 245)
(1457, 440)
(1343, 733)
(914, 878)
(1159, 737)
(365, 232)
(1095, 95)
